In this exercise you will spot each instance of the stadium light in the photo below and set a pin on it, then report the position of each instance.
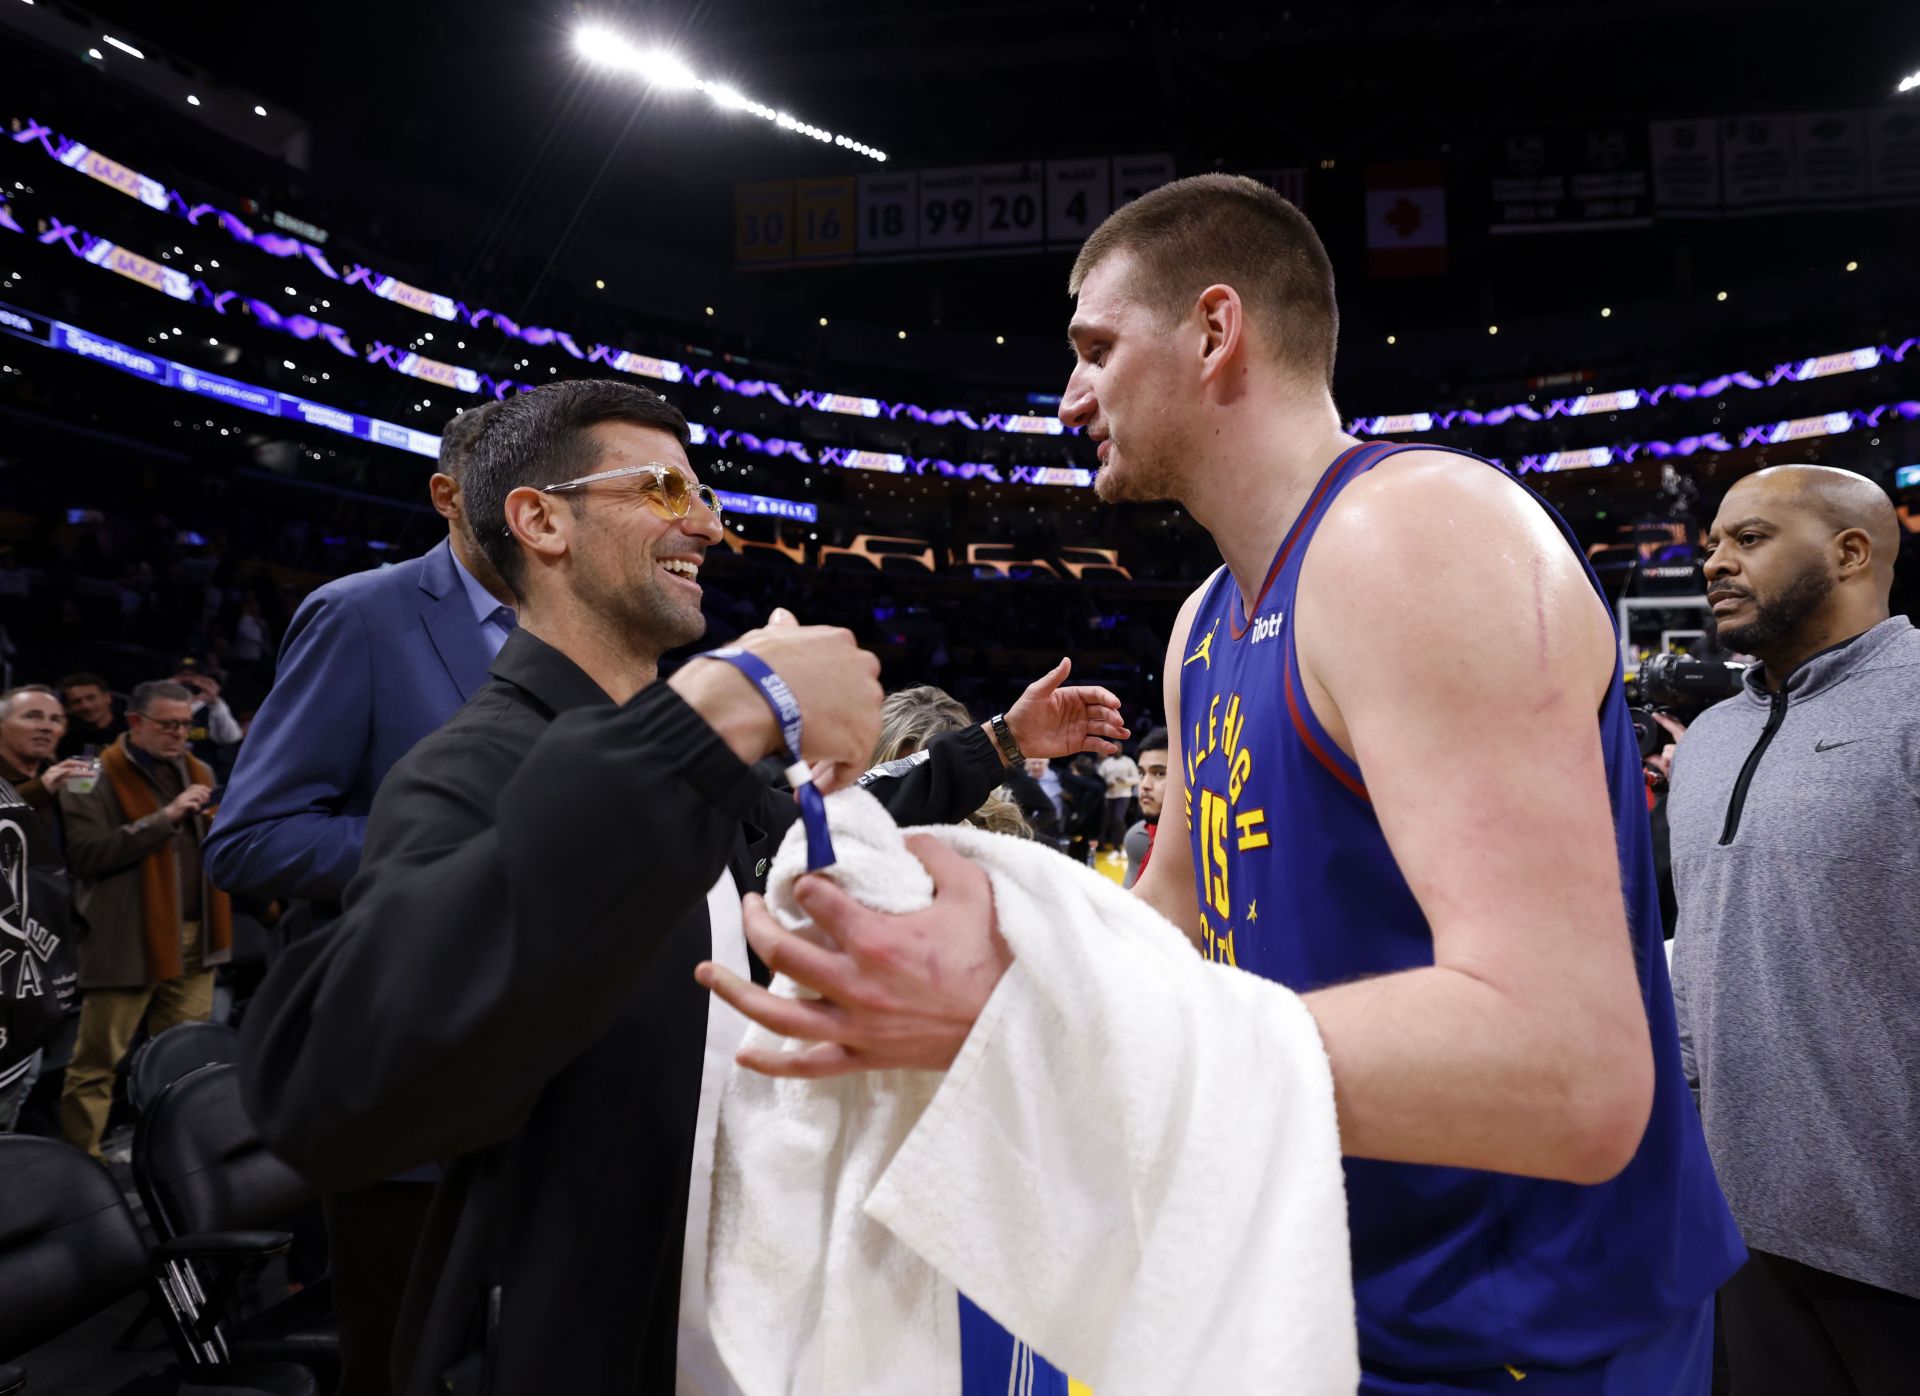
(1909, 82)
(605, 48)
(124, 48)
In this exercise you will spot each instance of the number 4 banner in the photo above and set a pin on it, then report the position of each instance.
(1078, 199)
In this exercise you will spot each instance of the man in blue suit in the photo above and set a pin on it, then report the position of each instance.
(370, 665)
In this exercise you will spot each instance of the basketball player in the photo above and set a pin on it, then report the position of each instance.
(1530, 1198)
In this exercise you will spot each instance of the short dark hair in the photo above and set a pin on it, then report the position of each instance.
(1155, 740)
(1233, 231)
(540, 438)
(83, 681)
(145, 695)
(457, 438)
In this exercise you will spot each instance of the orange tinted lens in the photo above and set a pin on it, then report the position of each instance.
(674, 486)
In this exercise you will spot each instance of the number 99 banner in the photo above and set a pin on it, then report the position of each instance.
(970, 210)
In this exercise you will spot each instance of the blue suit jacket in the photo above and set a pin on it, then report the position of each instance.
(370, 665)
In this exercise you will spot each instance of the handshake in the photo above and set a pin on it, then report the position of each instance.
(837, 687)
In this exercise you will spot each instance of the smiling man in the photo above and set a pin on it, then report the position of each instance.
(1797, 955)
(509, 989)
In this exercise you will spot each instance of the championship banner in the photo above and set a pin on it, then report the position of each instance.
(1572, 179)
(1686, 167)
(1407, 219)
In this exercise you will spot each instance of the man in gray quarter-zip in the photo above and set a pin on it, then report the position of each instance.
(1795, 814)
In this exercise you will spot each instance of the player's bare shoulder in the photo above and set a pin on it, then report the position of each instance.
(1430, 544)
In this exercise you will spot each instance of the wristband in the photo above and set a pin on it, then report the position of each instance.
(786, 712)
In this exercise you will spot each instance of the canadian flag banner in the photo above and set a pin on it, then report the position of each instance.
(1407, 218)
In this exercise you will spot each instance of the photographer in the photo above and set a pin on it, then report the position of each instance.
(1797, 961)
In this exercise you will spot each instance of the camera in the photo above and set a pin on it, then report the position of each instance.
(1682, 686)
(1679, 680)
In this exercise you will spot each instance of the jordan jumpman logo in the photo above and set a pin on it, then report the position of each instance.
(1205, 652)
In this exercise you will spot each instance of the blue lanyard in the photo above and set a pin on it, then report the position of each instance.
(786, 712)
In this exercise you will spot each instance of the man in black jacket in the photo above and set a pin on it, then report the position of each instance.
(510, 990)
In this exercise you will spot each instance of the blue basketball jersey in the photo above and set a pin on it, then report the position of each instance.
(1454, 1270)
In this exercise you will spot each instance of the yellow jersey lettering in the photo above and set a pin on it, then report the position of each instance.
(1237, 778)
(1216, 946)
(1252, 826)
(1213, 726)
(1235, 725)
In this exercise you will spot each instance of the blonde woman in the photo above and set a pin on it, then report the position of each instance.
(910, 720)
(929, 739)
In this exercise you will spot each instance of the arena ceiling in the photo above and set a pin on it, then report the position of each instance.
(487, 98)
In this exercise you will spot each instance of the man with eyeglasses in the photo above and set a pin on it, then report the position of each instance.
(509, 989)
(154, 926)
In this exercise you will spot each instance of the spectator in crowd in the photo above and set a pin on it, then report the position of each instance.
(1153, 784)
(31, 723)
(155, 927)
(545, 873)
(216, 734)
(94, 717)
(1085, 796)
(1030, 797)
(36, 951)
(1048, 780)
(249, 637)
(1797, 956)
(371, 664)
(1122, 777)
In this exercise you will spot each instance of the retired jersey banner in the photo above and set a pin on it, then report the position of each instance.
(1407, 219)
(1734, 166)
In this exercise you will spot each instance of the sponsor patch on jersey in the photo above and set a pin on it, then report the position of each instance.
(1268, 626)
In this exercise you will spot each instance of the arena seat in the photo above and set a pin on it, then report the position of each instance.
(166, 1057)
(69, 1247)
(879, 549)
(995, 557)
(201, 1167)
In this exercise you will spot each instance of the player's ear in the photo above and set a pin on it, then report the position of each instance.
(1223, 325)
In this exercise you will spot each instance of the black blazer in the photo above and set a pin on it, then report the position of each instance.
(510, 992)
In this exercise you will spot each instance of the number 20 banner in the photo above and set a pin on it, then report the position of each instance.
(969, 210)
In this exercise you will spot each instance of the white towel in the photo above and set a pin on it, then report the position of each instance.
(1133, 1164)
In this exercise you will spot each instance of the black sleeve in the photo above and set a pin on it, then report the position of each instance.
(958, 772)
(515, 891)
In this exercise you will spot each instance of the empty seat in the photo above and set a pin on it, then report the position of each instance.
(201, 1167)
(69, 1247)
